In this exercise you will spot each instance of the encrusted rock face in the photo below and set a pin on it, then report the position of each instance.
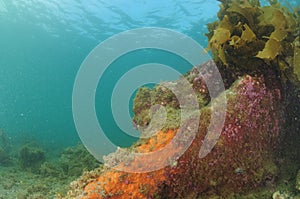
(241, 160)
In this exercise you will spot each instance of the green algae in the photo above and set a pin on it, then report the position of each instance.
(159, 95)
(147, 99)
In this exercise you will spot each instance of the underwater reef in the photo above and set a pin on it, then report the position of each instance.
(240, 161)
(257, 51)
(29, 171)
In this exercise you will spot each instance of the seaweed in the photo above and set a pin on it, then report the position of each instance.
(74, 160)
(296, 58)
(252, 39)
(4, 149)
(31, 157)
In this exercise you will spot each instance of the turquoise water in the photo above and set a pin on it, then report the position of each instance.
(43, 43)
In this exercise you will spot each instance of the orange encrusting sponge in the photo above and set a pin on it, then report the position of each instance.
(115, 184)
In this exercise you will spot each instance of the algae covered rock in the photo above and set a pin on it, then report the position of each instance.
(48, 169)
(161, 95)
(4, 148)
(243, 157)
(241, 160)
(31, 157)
(72, 163)
(74, 160)
(4, 158)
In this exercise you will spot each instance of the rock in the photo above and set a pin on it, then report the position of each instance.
(241, 160)
(243, 157)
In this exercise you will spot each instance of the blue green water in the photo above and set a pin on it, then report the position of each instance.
(43, 43)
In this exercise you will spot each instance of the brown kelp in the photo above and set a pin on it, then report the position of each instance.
(254, 39)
